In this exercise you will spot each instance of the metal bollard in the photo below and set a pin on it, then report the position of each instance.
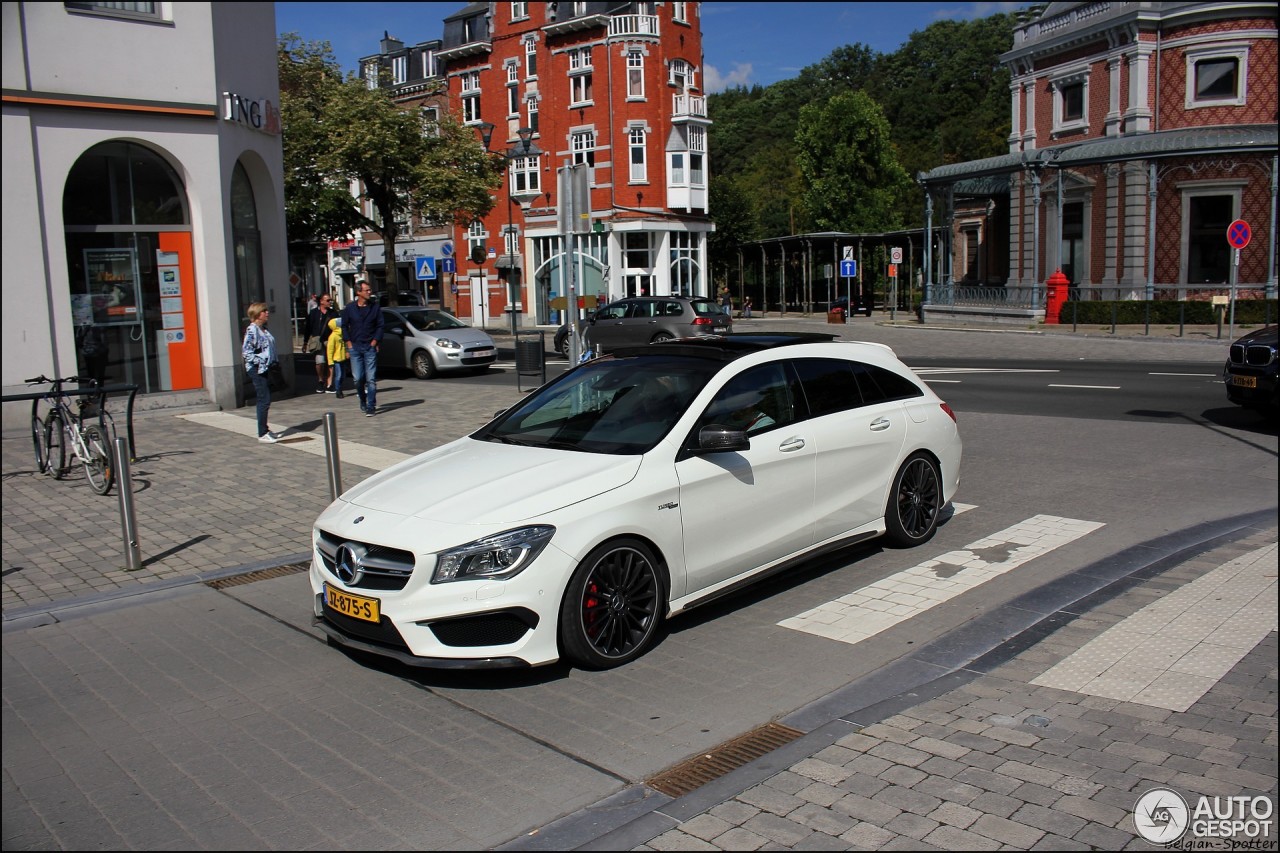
(128, 520)
(331, 455)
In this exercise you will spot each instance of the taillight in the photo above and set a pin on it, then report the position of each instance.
(950, 413)
(702, 321)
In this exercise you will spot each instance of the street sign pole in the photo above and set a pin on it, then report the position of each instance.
(1238, 236)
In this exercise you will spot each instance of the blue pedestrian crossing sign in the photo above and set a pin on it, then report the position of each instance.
(848, 269)
(426, 268)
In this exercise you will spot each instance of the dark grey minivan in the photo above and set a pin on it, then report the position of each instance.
(645, 319)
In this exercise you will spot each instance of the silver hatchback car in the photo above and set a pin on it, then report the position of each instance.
(430, 342)
(648, 319)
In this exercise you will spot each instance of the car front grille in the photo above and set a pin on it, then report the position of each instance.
(385, 569)
(498, 628)
(1254, 355)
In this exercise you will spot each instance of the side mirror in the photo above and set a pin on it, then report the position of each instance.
(396, 330)
(718, 438)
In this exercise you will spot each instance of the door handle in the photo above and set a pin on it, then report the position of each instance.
(791, 445)
(880, 425)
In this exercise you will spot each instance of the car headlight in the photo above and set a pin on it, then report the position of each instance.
(445, 343)
(501, 556)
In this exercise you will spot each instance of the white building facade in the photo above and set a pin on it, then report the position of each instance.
(144, 195)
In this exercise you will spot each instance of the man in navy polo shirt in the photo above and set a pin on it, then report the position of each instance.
(362, 328)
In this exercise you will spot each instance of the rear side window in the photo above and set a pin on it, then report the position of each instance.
(829, 385)
(703, 307)
(669, 308)
(879, 385)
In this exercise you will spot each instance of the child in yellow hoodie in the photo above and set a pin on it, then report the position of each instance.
(336, 352)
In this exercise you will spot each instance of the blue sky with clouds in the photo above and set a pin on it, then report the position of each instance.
(743, 43)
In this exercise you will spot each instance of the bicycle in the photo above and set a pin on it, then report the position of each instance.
(60, 427)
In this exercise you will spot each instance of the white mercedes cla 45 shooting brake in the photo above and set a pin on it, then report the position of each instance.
(628, 490)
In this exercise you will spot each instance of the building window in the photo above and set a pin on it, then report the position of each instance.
(1207, 213)
(580, 59)
(470, 97)
(399, 69)
(583, 147)
(635, 75)
(371, 75)
(680, 12)
(513, 72)
(580, 89)
(525, 177)
(118, 10)
(636, 253)
(430, 121)
(519, 11)
(1073, 247)
(1216, 78)
(530, 58)
(513, 100)
(684, 263)
(1071, 101)
(531, 110)
(682, 76)
(677, 167)
(476, 236)
(639, 166)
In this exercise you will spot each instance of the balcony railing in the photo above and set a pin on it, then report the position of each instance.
(633, 25)
(689, 105)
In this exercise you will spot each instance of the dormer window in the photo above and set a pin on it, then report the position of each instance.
(371, 74)
(399, 69)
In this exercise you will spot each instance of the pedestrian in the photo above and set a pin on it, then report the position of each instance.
(746, 308)
(726, 301)
(259, 350)
(362, 331)
(314, 337)
(336, 352)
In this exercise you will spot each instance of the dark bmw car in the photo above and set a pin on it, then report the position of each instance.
(1250, 372)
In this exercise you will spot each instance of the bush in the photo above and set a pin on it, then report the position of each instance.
(1166, 313)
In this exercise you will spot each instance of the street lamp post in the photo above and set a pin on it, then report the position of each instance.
(524, 148)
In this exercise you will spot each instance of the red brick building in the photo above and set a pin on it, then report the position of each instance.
(1140, 131)
(614, 86)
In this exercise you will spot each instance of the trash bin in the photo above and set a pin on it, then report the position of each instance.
(531, 356)
(835, 315)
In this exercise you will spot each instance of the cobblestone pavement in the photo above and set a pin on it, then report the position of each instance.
(993, 761)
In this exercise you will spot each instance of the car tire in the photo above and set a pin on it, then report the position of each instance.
(613, 606)
(562, 345)
(423, 366)
(915, 502)
(662, 336)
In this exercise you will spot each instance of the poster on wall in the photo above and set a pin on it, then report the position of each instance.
(171, 317)
(111, 285)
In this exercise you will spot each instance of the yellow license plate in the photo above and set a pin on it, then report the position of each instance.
(355, 606)
(1245, 381)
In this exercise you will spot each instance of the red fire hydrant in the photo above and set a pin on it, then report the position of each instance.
(1057, 296)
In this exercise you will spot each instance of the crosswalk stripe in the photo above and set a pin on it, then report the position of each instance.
(350, 452)
(1169, 653)
(880, 606)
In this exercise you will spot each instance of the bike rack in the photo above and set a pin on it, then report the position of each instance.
(104, 391)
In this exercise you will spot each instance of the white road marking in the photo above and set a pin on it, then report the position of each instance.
(1210, 375)
(932, 370)
(1169, 653)
(351, 452)
(867, 611)
(1089, 387)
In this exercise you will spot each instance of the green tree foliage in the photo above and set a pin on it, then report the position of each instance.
(349, 132)
(735, 223)
(944, 94)
(850, 170)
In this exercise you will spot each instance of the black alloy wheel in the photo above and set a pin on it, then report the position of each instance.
(915, 502)
(613, 605)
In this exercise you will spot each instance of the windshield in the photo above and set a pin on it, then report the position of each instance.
(432, 321)
(608, 405)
